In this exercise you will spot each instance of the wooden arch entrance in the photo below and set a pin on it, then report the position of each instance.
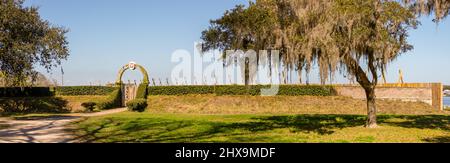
(129, 90)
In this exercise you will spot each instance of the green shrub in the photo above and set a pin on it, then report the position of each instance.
(233, 90)
(138, 105)
(114, 100)
(34, 105)
(89, 106)
(84, 90)
(142, 91)
(254, 90)
(180, 90)
(312, 90)
(25, 92)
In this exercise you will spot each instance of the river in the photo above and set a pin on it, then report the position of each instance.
(447, 101)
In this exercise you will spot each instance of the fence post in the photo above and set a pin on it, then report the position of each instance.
(437, 95)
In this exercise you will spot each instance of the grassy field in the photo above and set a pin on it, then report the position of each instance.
(148, 127)
(208, 118)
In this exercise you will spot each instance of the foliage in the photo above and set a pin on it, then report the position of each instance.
(293, 90)
(25, 92)
(179, 90)
(439, 8)
(84, 90)
(242, 28)
(26, 40)
(114, 100)
(138, 105)
(253, 28)
(142, 91)
(34, 105)
(61, 91)
(447, 87)
(286, 90)
(89, 106)
(358, 38)
(254, 90)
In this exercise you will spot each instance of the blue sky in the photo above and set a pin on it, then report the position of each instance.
(106, 34)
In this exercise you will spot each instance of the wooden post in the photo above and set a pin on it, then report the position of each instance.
(437, 96)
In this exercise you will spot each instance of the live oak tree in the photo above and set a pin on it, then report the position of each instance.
(360, 37)
(26, 41)
(355, 37)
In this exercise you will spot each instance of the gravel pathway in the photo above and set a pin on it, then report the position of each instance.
(43, 130)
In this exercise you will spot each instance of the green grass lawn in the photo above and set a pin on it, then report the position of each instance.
(151, 127)
(209, 118)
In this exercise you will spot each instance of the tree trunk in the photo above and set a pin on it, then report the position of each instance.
(367, 85)
(371, 108)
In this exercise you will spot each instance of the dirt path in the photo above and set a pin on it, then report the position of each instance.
(42, 130)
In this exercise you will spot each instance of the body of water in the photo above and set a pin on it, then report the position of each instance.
(447, 101)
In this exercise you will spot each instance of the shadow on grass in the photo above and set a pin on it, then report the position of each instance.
(45, 117)
(439, 139)
(26, 105)
(169, 130)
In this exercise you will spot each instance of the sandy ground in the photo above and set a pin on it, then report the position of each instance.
(43, 130)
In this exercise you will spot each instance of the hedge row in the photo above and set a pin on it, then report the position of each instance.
(25, 92)
(84, 90)
(179, 90)
(138, 105)
(114, 100)
(142, 91)
(33, 105)
(446, 87)
(288, 90)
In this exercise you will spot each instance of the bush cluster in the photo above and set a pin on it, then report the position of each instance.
(180, 90)
(34, 105)
(138, 105)
(84, 90)
(142, 91)
(254, 90)
(89, 106)
(114, 100)
(26, 92)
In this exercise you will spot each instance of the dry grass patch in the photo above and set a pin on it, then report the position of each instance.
(74, 102)
(211, 104)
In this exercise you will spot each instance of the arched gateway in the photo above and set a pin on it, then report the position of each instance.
(130, 91)
(132, 66)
